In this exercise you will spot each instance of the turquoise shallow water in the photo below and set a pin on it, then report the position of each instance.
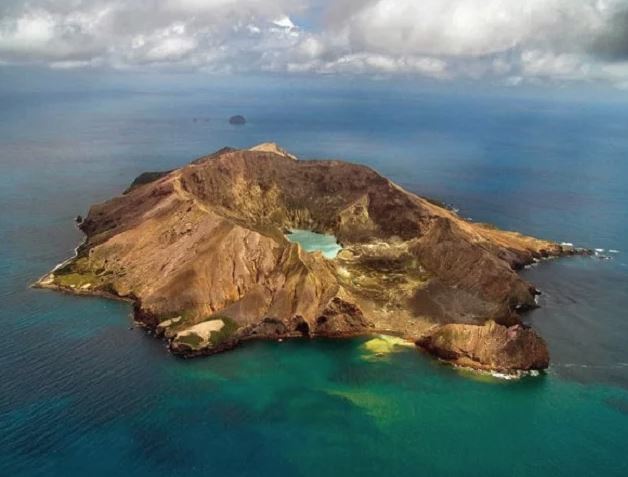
(314, 242)
(82, 393)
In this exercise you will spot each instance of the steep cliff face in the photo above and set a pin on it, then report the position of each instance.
(490, 346)
(201, 252)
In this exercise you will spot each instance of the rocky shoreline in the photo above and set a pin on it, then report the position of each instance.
(453, 353)
(201, 254)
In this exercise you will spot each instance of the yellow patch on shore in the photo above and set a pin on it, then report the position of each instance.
(384, 345)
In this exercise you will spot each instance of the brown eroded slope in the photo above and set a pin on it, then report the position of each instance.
(202, 253)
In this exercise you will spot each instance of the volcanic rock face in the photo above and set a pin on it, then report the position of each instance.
(491, 347)
(201, 252)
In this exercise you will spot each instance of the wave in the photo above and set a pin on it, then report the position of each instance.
(594, 366)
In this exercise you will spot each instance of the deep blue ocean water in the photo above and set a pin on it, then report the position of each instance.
(83, 394)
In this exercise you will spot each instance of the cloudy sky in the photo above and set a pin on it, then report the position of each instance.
(509, 41)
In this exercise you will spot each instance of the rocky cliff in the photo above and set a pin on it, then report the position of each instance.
(202, 254)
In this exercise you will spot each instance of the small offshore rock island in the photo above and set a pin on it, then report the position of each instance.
(201, 252)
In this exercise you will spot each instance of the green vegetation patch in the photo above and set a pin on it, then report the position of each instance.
(179, 321)
(225, 333)
(77, 265)
(76, 274)
(192, 340)
(76, 280)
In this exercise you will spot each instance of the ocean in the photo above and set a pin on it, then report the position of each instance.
(84, 392)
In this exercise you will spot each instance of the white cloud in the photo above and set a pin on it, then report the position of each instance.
(284, 22)
(561, 66)
(512, 41)
(164, 45)
(33, 29)
(70, 65)
(469, 27)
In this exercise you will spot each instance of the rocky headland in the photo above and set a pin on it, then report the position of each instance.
(201, 252)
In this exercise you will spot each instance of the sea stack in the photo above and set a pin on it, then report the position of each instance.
(237, 120)
(201, 252)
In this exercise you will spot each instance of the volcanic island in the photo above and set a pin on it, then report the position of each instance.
(202, 253)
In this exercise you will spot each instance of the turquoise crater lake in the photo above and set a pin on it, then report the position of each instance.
(314, 242)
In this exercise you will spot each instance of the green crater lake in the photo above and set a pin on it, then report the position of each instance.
(313, 242)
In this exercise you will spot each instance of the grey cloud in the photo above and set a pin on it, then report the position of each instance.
(612, 44)
(507, 40)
